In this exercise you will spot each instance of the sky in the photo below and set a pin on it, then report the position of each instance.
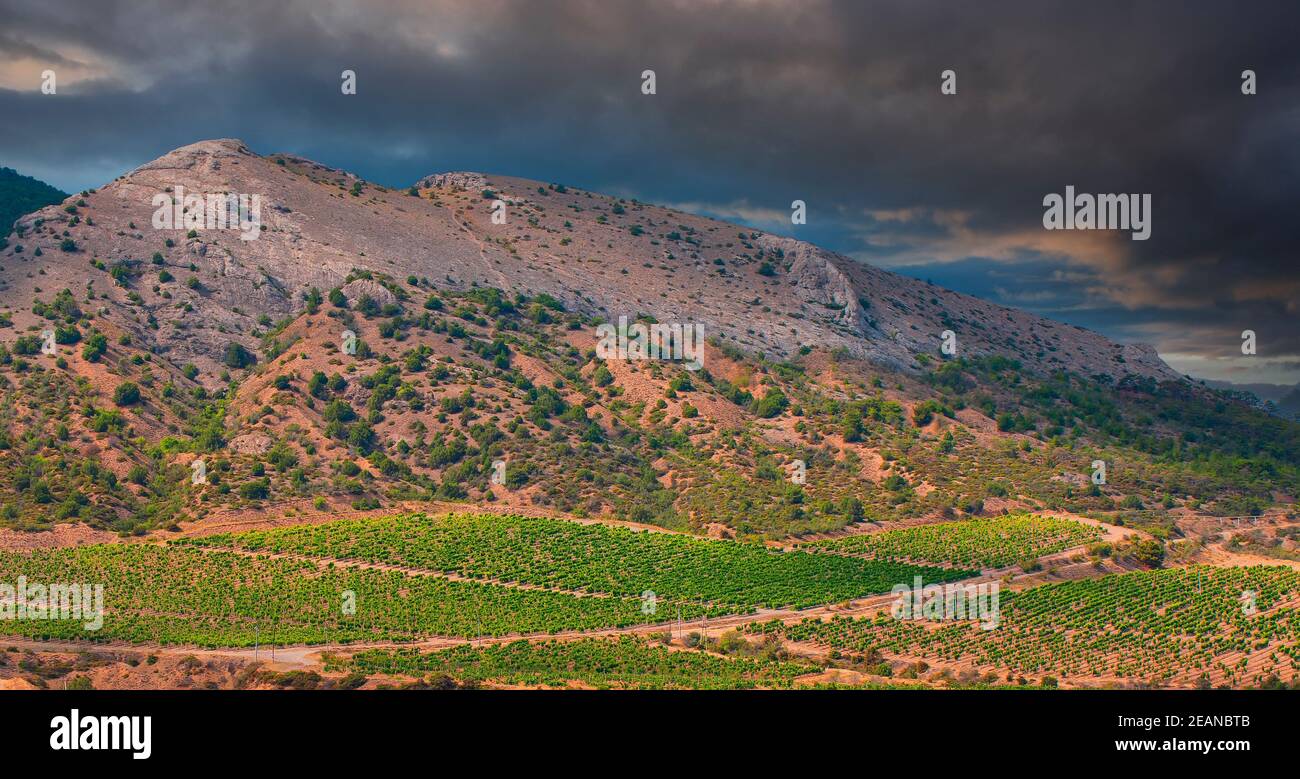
(757, 104)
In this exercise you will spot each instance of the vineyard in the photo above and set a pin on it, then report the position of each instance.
(468, 576)
(1240, 624)
(591, 558)
(624, 663)
(288, 586)
(992, 542)
(176, 595)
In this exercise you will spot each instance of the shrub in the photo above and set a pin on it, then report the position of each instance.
(67, 335)
(236, 356)
(258, 489)
(126, 394)
(772, 404)
(1148, 552)
(27, 344)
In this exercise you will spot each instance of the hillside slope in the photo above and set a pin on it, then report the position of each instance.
(20, 195)
(475, 375)
(597, 254)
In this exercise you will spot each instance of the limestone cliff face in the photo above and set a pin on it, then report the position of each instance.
(597, 254)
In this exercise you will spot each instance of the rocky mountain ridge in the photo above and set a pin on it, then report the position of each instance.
(600, 255)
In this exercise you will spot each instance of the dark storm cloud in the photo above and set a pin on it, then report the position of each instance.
(758, 103)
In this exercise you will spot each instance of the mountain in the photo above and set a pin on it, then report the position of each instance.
(1281, 399)
(1290, 403)
(476, 343)
(1261, 390)
(620, 258)
(21, 195)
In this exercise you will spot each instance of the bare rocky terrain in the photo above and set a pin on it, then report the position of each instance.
(598, 254)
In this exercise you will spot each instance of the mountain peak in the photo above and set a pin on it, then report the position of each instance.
(602, 255)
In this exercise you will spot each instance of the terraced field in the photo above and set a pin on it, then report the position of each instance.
(1238, 624)
(625, 663)
(991, 542)
(179, 595)
(592, 558)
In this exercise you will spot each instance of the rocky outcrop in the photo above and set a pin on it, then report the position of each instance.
(469, 181)
(365, 288)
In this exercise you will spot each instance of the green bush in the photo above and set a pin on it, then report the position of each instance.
(126, 394)
(236, 356)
